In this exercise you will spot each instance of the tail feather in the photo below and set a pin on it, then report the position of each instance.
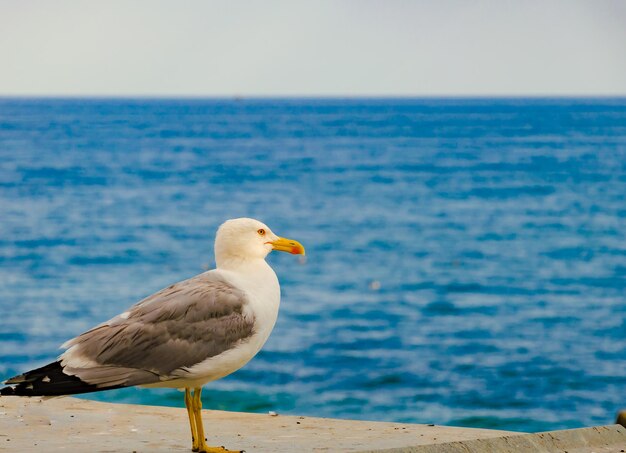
(49, 380)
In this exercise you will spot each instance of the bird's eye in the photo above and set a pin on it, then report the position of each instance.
(261, 232)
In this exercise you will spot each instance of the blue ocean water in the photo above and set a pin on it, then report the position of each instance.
(466, 258)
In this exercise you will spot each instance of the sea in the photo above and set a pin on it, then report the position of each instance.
(466, 257)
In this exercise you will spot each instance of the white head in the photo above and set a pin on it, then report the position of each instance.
(249, 239)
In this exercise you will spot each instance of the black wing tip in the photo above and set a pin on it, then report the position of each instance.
(15, 379)
(7, 391)
(49, 380)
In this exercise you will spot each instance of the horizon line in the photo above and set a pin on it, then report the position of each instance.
(311, 96)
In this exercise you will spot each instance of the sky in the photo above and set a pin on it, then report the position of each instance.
(314, 48)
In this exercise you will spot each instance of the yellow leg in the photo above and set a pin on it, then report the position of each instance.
(195, 446)
(197, 412)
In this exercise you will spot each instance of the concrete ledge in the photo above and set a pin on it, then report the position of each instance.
(70, 424)
(599, 439)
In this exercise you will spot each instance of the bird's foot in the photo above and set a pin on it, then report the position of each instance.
(204, 448)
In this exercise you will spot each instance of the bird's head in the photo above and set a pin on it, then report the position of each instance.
(249, 239)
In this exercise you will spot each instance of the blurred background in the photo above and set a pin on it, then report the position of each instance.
(456, 173)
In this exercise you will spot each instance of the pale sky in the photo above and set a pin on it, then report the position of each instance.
(297, 48)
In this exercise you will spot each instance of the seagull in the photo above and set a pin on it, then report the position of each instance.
(184, 336)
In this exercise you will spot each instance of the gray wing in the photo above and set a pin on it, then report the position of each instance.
(173, 329)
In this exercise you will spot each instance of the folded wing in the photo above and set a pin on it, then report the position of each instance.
(172, 330)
